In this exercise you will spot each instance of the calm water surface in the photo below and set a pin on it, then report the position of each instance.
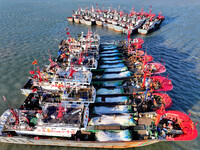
(29, 28)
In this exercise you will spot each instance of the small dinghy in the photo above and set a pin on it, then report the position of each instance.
(110, 51)
(104, 91)
(117, 75)
(120, 135)
(114, 120)
(160, 83)
(112, 66)
(113, 83)
(109, 47)
(112, 62)
(115, 109)
(164, 99)
(111, 58)
(121, 69)
(119, 99)
(111, 54)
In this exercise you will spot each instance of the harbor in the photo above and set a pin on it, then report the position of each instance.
(118, 20)
(70, 100)
(154, 48)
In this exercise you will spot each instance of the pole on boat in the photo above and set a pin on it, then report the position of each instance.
(160, 112)
(144, 79)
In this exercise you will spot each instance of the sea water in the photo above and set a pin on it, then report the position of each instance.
(28, 29)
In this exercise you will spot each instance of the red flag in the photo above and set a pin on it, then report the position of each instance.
(67, 33)
(32, 72)
(34, 62)
(4, 99)
(34, 90)
(35, 76)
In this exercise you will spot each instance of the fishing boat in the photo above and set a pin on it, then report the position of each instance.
(99, 22)
(118, 28)
(124, 113)
(151, 25)
(145, 102)
(77, 19)
(71, 19)
(117, 20)
(127, 130)
(150, 67)
(88, 22)
(58, 82)
(57, 119)
(110, 25)
(82, 20)
(77, 95)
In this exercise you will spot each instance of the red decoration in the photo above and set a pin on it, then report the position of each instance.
(32, 72)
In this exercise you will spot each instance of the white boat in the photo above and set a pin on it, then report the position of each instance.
(63, 79)
(118, 28)
(88, 22)
(77, 20)
(105, 24)
(82, 21)
(99, 23)
(110, 25)
(71, 19)
(149, 26)
(55, 119)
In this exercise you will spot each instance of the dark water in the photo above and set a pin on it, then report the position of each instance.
(29, 28)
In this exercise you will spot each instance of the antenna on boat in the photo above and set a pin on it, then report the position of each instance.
(144, 79)
(150, 9)
(96, 7)
(50, 58)
(34, 63)
(39, 73)
(44, 60)
(60, 112)
(128, 37)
